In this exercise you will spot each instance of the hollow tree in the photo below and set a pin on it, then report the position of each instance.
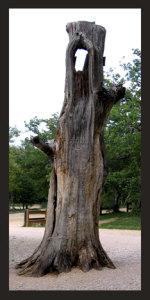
(79, 170)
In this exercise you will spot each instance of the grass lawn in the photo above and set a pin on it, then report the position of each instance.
(124, 221)
(19, 208)
(16, 211)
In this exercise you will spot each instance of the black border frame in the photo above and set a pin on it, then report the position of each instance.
(4, 218)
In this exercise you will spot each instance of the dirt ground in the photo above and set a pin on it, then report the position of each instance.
(123, 247)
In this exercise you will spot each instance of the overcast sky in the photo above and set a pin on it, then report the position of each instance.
(37, 49)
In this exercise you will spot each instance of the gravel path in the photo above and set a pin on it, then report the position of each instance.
(123, 247)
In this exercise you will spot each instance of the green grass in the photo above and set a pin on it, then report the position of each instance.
(19, 208)
(113, 215)
(16, 211)
(124, 221)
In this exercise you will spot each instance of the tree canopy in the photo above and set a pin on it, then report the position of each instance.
(29, 168)
(123, 140)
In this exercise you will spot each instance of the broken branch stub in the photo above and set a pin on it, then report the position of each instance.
(47, 148)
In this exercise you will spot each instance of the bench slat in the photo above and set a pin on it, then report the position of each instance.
(32, 212)
(37, 221)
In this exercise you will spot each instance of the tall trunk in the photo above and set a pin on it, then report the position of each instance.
(117, 197)
(71, 235)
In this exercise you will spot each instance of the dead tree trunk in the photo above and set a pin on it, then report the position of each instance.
(71, 235)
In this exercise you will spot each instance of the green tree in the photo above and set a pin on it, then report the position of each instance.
(37, 168)
(13, 132)
(44, 128)
(29, 168)
(14, 167)
(123, 140)
(14, 174)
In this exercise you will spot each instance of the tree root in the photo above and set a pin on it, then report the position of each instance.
(88, 257)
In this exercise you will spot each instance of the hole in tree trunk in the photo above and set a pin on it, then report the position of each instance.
(81, 79)
(80, 59)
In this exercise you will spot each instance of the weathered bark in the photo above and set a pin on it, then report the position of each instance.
(71, 235)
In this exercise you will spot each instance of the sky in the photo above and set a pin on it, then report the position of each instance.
(37, 51)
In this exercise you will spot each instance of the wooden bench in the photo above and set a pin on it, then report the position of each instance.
(29, 219)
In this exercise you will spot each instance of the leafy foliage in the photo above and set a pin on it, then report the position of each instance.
(44, 128)
(13, 132)
(123, 140)
(30, 168)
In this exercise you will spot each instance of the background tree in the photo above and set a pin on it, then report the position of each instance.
(44, 128)
(14, 167)
(123, 140)
(13, 133)
(39, 164)
(29, 168)
(14, 175)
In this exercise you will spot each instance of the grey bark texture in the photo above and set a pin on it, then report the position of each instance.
(79, 170)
